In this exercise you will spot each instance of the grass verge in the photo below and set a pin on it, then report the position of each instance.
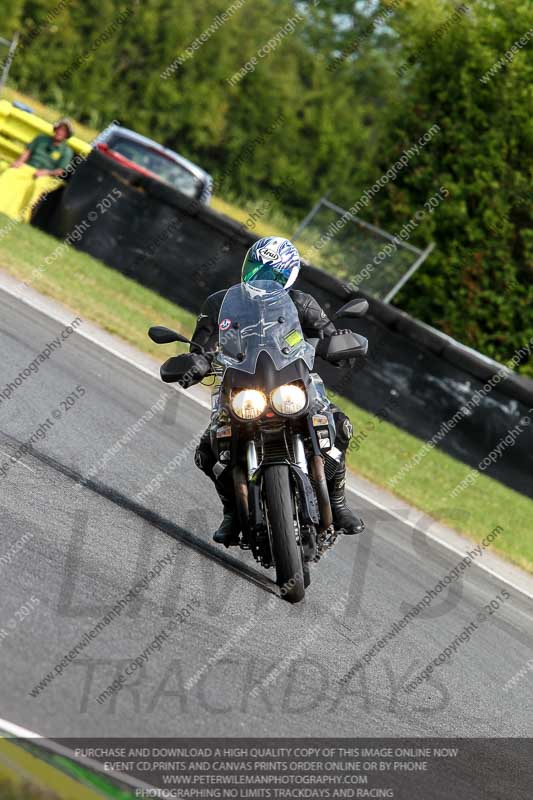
(475, 512)
(95, 291)
(10, 790)
(123, 307)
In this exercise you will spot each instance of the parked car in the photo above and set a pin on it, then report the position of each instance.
(146, 156)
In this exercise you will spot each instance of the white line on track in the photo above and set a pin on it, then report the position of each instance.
(49, 744)
(22, 464)
(443, 543)
(16, 730)
(59, 313)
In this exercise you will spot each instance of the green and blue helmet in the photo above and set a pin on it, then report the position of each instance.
(271, 259)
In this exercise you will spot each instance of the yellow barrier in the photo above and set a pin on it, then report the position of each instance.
(19, 768)
(18, 128)
(19, 191)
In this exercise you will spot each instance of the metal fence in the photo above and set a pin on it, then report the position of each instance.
(6, 66)
(357, 253)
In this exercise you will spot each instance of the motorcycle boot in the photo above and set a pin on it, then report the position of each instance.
(344, 520)
(229, 529)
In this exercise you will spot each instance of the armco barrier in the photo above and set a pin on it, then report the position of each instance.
(185, 250)
(18, 128)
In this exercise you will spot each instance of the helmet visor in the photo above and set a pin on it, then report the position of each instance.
(255, 271)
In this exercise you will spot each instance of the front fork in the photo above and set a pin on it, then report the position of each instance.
(299, 452)
(251, 459)
(300, 475)
(252, 465)
(311, 515)
(300, 460)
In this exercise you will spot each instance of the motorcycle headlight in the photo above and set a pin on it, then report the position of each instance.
(288, 399)
(248, 403)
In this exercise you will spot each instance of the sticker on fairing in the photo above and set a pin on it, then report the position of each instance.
(224, 432)
(293, 337)
(225, 324)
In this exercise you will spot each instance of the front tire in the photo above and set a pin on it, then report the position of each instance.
(286, 551)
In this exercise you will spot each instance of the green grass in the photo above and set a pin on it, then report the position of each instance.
(238, 212)
(95, 291)
(475, 512)
(274, 223)
(10, 790)
(123, 307)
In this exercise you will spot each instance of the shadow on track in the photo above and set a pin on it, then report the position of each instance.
(164, 525)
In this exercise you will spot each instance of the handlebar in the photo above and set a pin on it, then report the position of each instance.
(190, 368)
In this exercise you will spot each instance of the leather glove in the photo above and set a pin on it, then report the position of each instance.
(347, 363)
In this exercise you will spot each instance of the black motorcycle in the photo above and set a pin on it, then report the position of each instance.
(271, 423)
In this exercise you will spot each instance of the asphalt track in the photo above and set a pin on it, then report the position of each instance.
(77, 545)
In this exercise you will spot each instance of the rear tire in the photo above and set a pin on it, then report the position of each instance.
(286, 551)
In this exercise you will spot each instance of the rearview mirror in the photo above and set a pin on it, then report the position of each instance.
(355, 308)
(161, 335)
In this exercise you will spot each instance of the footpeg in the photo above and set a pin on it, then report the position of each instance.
(325, 540)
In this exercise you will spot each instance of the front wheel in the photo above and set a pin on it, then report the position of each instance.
(286, 551)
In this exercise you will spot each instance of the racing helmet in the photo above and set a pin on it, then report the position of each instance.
(271, 259)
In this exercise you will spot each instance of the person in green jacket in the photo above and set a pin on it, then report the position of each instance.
(50, 155)
(39, 169)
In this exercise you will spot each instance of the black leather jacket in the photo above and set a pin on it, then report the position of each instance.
(312, 318)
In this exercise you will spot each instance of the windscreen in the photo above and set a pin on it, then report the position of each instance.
(262, 317)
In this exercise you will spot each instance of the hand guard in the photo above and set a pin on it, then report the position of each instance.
(186, 369)
(341, 347)
(347, 363)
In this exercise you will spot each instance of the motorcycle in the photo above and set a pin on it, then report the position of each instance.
(271, 423)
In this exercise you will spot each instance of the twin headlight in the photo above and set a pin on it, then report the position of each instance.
(288, 399)
(250, 403)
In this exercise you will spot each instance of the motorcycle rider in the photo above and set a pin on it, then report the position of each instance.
(277, 259)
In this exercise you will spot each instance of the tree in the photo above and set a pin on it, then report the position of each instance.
(324, 96)
(478, 284)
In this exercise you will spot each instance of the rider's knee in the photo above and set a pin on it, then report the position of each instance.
(343, 430)
(204, 459)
